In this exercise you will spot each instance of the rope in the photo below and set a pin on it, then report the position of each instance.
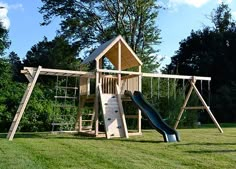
(168, 90)
(158, 88)
(209, 93)
(151, 88)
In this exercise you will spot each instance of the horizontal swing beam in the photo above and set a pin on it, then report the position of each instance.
(194, 108)
(57, 72)
(74, 73)
(176, 76)
(156, 75)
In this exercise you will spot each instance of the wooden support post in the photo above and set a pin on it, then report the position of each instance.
(185, 103)
(97, 100)
(78, 124)
(23, 104)
(119, 63)
(121, 110)
(139, 111)
(206, 107)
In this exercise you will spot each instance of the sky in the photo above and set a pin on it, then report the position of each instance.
(22, 19)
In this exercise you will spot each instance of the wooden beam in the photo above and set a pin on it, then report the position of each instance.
(206, 107)
(97, 100)
(117, 71)
(119, 63)
(184, 105)
(175, 76)
(194, 108)
(56, 72)
(139, 111)
(156, 75)
(131, 116)
(23, 105)
(121, 110)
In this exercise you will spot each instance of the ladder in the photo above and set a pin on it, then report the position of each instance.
(32, 77)
(65, 99)
(85, 124)
(113, 114)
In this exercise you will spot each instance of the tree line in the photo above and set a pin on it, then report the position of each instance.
(87, 24)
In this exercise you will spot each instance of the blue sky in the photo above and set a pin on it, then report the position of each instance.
(22, 19)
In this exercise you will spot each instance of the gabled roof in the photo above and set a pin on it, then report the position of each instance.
(110, 50)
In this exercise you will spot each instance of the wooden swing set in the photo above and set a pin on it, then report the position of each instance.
(107, 94)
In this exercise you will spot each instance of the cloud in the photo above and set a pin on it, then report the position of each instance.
(4, 8)
(16, 7)
(195, 3)
(225, 1)
(3, 15)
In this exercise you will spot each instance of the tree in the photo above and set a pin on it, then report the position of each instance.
(211, 52)
(4, 41)
(52, 54)
(16, 66)
(222, 18)
(89, 23)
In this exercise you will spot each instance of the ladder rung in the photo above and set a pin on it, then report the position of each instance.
(58, 124)
(195, 108)
(87, 120)
(88, 114)
(65, 97)
(87, 127)
(65, 106)
(63, 87)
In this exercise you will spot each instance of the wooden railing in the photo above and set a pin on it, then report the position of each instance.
(108, 83)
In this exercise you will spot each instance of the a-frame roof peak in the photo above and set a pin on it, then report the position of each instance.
(109, 49)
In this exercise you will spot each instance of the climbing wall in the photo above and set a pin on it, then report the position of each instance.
(114, 126)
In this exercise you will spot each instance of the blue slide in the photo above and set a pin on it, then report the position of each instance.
(169, 134)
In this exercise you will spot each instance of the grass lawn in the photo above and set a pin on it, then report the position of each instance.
(199, 148)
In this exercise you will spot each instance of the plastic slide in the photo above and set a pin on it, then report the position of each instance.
(154, 118)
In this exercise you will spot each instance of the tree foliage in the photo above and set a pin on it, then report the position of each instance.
(57, 53)
(4, 41)
(222, 18)
(211, 52)
(92, 22)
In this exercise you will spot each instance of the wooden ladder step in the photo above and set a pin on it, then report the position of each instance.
(87, 127)
(64, 97)
(87, 120)
(88, 114)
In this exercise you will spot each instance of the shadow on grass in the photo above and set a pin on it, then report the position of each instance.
(211, 151)
(205, 144)
(74, 136)
(25, 135)
(121, 140)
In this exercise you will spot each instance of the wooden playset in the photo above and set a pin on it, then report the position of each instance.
(107, 94)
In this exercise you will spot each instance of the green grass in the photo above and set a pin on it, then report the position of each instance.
(199, 148)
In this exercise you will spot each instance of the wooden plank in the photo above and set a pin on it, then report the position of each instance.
(175, 76)
(206, 107)
(117, 71)
(114, 125)
(156, 75)
(132, 116)
(57, 72)
(96, 105)
(121, 110)
(139, 111)
(194, 108)
(23, 105)
(184, 105)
